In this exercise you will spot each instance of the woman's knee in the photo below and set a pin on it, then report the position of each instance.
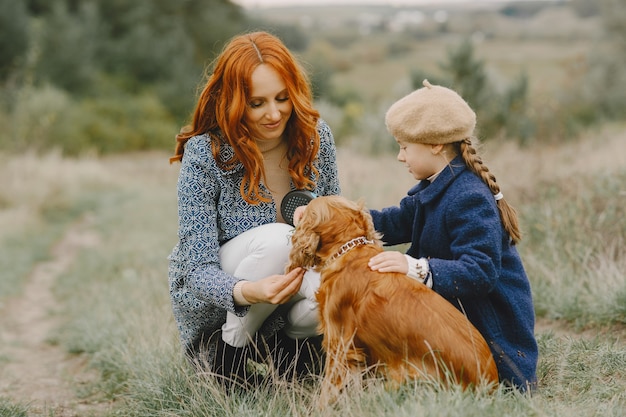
(260, 247)
(271, 240)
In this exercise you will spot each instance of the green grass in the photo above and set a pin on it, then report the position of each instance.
(20, 252)
(9, 409)
(574, 249)
(39, 199)
(115, 298)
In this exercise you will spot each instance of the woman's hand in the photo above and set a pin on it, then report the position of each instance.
(389, 261)
(275, 289)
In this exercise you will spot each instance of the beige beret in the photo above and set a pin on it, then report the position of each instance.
(431, 115)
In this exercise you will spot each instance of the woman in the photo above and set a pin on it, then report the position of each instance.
(254, 137)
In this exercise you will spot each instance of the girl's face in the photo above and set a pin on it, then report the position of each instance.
(269, 106)
(421, 160)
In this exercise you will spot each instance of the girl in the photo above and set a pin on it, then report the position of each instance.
(462, 233)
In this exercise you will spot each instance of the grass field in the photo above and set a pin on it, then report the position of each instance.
(108, 318)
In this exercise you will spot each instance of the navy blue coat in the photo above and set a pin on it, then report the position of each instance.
(454, 223)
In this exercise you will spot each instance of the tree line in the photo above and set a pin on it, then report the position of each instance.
(108, 75)
(119, 75)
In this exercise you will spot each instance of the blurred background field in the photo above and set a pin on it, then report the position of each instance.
(97, 76)
(93, 92)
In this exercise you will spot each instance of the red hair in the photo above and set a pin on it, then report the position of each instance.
(223, 101)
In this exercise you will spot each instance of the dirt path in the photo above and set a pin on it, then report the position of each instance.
(35, 371)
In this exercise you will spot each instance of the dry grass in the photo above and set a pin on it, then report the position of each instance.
(383, 181)
(519, 170)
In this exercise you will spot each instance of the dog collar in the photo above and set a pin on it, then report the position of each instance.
(348, 246)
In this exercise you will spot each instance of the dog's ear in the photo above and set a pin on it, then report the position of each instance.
(303, 252)
(309, 246)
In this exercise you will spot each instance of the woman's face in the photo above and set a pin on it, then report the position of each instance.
(421, 160)
(269, 106)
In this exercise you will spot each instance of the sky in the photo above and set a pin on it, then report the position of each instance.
(272, 3)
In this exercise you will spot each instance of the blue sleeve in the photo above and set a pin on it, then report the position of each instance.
(396, 223)
(198, 191)
(475, 230)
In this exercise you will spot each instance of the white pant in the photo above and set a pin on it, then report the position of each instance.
(256, 254)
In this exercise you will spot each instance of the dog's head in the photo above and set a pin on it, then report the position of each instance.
(327, 223)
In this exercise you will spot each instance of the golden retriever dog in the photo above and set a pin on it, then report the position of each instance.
(383, 322)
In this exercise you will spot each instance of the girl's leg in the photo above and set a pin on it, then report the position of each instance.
(253, 255)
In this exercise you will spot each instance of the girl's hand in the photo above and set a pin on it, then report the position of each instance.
(275, 289)
(389, 261)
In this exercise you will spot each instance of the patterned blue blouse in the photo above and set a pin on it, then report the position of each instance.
(211, 211)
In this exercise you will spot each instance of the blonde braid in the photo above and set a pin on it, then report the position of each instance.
(508, 214)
